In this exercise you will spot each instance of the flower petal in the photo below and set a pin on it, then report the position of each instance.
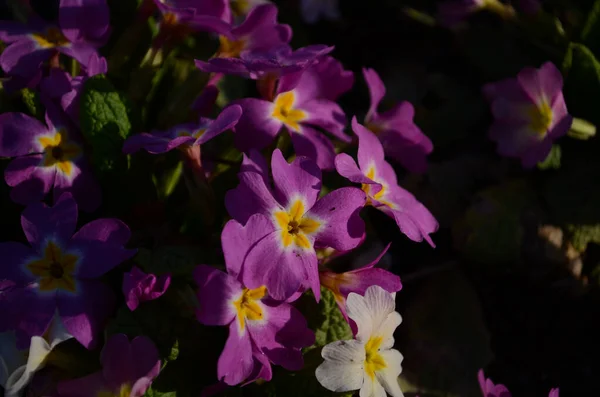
(256, 127)
(300, 179)
(327, 115)
(82, 185)
(97, 258)
(370, 150)
(346, 167)
(250, 197)
(343, 366)
(226, 120)
(85, 313)
(342, 227)
(376, 91)
(315, 145)
(106, 230)
(388, 377)
(235, 363)
(40, 221)
(372, 388)
(358, 311)
(23, 58)
(17, 134)
(215, 291)
(30, 181)
(89, 385)
(14, 258)
(146, 363)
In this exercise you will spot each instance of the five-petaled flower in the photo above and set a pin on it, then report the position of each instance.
(46, 157)
(60, 271)
(378, 180)
(286, 224)
(530, 113)
(368, 362)
(301, 104)
(141, 287)
(128, 369)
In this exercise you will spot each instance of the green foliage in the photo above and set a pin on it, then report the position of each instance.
(105, 122)
(325, 318)
(553, 159)
(582, 235)
(582, 84)
(153, 393)
(590, 33)
(32, 102)
(177, 260)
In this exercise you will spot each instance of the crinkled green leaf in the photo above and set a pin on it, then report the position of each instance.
(324, 318)
(154, 393)
(553, 159)
(105, 123)
(582, 83)
(31, 99)
(582, 235)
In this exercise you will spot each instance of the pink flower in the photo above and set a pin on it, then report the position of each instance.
(140, 287)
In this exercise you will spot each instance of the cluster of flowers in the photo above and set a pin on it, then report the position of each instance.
(51, 291)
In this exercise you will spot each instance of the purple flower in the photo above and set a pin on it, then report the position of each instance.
(60, 271)
(184, 135)
(261, 330)
(530, 113)
(82, 27)
(378, 180)
(46, 158)
(61, 87)
(357, 281)
(275, 62)
(489, 389)
(402, 140)
(300, 105)
(285, 224)
(128, 369)
(141, 287)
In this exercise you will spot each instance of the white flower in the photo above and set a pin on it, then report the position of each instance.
(18, 367)
(367, 363)
(312, 10)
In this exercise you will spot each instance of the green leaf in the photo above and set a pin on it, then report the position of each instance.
(325, 318)
(582, 83)
(31, 99)
(582, 235)
(553, 159)
(105, 123)
(590, 33)
(154, 393)
(165, 183)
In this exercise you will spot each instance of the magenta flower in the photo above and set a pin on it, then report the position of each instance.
(184, 135)
(45, 158)
(357, 281)
(60, 271)
(530, 113)
(128, 369)
(402, 140)
(82, 27)
(261, 330)
(141, 287)
(489, 389)
(273, 63)
(300, 105)
(378, 180)
(287, 222)
(65, 90)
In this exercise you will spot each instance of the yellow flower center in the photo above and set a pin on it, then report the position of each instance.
(247, 306)
(375, 128)
(284, 111)
(240, 7)
(55, 269)
(333, 282)
(51, 38)
(196, 134)
(169, 19)
(540, 117)
(124, 391)
(59, 151)
(373, 360)
(229, 48)
(367, 189)
(295, 226)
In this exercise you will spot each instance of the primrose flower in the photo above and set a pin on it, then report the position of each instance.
(489, 389)
(60, 271)
(287, 222)
(358, 281)
(273, 63)
(300, 105)
(402, 140)
(368, 362)
(529, 112)
(17, 367)
(378, 180)
(83, 25)
(313, 10)
(61, 87)
(184, 135)
(261, 330)
(141, 287)
(259, 32)
(128, 369)
(45, 158)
